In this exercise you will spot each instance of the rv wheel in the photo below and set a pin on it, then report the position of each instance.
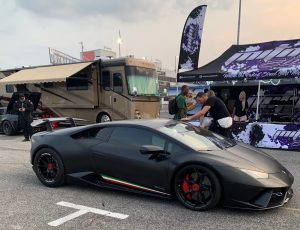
(103, 117)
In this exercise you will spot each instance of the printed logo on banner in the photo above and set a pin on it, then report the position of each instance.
(265, 60)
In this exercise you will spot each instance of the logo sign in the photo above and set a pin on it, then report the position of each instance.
(264, 60)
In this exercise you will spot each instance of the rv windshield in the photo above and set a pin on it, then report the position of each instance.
(141, 81)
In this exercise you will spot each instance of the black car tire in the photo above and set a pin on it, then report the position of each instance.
(103, 117)
(205, 186)
(49, 167)
(7, 128)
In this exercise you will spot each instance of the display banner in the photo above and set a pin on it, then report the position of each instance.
(260, 61)
(191, 40)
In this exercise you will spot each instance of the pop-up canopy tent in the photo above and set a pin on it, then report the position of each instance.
(269, 60)
(261, 61)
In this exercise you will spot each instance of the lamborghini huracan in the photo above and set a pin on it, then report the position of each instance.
(162, 158)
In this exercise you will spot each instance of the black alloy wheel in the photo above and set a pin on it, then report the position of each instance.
(197, 188)
(49, 168)
(7, 128)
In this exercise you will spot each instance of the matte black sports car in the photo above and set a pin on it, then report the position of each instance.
(162, 158)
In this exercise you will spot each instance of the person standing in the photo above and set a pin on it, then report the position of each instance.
(181, 103)
(222, 120)
(240, 108)
(24, 107)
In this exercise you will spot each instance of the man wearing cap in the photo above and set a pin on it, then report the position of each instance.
(218, 111)
(24, 107)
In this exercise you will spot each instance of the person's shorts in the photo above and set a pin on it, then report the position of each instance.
(240, 119)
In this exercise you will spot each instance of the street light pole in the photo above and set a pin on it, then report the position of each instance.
(81, 43)
(119, 42)
(239, 24)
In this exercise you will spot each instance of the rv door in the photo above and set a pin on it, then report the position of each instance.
(119, 100)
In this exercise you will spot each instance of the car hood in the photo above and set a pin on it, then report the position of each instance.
(34, 97)
(245, 155)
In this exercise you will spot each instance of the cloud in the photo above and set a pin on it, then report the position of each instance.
(129, 10)
(123, 10)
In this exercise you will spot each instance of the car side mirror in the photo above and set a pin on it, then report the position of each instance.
(152, 149)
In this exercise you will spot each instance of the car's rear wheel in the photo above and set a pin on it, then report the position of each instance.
(7, 128)
(197, 188)
(49, 167)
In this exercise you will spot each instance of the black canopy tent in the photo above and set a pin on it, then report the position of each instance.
(261, 61)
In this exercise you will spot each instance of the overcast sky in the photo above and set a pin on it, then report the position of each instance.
(149, 28)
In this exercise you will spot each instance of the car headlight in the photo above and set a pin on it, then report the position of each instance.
(256, 174)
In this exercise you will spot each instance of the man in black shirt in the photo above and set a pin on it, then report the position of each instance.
(218, 111)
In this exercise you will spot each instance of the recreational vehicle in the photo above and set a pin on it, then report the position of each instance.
(100, 91)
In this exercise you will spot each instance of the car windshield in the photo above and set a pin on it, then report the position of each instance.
(142, 81)
(196, 138)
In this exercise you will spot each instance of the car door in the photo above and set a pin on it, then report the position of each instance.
(121, 161)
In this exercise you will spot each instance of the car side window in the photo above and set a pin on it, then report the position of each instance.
(95, 134)
(136, 137)
(174, 148)
(103, 134)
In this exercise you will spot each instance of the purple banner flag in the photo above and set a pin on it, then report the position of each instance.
(191, 40)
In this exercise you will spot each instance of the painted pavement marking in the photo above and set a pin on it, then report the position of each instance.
(83, 210)
(293, 209)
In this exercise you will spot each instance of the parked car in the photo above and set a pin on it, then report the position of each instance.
(162, 158)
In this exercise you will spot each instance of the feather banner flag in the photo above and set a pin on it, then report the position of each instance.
(191, 40)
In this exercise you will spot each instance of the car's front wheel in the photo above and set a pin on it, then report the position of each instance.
(49, 167)
(197, 188)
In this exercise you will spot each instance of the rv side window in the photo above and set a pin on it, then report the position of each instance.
(78, 82)
(117, 81)
(106, 80)
(9, 88)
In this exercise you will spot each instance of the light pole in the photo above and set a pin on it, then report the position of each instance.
(119, 42)
(176, 57)
(81, 43)
(239, 23)
(175, 69)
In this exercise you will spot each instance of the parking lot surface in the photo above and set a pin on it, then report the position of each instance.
(27, 204)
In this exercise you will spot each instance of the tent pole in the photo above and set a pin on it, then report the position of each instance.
(257, 102)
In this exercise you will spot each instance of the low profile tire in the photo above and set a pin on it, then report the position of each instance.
(49, 168)
(7, 128)
(197, 188)
(103, 117)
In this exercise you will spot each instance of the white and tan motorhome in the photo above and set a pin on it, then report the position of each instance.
(104, 90)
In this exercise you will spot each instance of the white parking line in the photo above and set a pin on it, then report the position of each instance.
(292, 209)
(83, 210)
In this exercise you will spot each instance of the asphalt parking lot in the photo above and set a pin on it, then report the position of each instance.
(27, 204)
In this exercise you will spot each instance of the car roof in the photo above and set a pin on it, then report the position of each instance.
(151, 123)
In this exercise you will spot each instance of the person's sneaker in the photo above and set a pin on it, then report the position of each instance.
(26, 139)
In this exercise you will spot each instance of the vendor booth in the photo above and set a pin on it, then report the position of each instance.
(269, 74)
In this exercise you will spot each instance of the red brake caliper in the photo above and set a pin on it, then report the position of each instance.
(186, 188)
(50, 166)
